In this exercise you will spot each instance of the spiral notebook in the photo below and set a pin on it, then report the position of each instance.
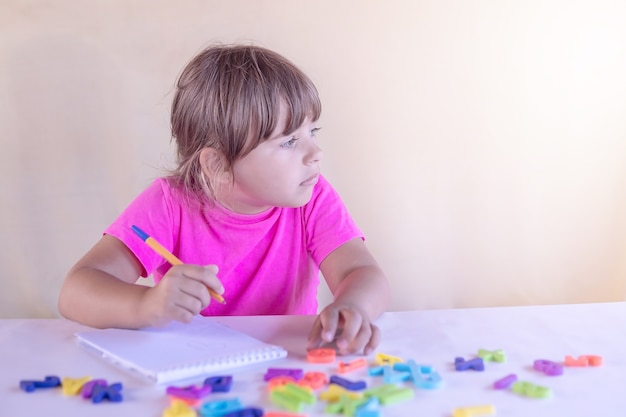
(179, 351)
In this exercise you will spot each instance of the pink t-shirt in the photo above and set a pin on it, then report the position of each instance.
(268, 262)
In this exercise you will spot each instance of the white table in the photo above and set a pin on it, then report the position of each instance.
(31, 349)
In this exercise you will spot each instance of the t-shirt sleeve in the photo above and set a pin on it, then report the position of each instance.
(327, 221)
(151, 211)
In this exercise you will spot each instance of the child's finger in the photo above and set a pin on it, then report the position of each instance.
(208, 276)
(198, 296)
(315, 335)
(374, 340)
(189, 287)
(353, 333)
(365, 341)
(329, 320)
(191, 304)
(324, 328)
(205, 276)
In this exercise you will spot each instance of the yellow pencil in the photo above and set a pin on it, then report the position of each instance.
(169, 256)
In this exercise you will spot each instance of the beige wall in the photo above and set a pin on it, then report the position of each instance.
(481, 145)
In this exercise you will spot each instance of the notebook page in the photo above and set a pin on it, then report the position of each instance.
(179, 350)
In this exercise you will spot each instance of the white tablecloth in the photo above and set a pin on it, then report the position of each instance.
(32, 349)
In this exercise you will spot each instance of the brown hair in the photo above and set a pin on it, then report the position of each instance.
(228, 98)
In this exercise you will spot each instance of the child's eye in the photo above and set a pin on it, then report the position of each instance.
(290, 143)
(315, 130)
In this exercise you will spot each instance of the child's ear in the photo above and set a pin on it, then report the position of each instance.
(215, 167)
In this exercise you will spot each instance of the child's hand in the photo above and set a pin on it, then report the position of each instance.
(347, 326)
(180, 295)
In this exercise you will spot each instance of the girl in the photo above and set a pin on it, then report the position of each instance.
(246, 204)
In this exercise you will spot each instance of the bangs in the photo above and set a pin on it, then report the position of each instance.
(278, 84)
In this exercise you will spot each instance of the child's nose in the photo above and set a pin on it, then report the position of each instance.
(314, 154)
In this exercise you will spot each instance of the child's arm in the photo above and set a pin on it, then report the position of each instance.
(100, 290)
(361, 294)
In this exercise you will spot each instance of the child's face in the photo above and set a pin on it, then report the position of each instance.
(279, 172)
